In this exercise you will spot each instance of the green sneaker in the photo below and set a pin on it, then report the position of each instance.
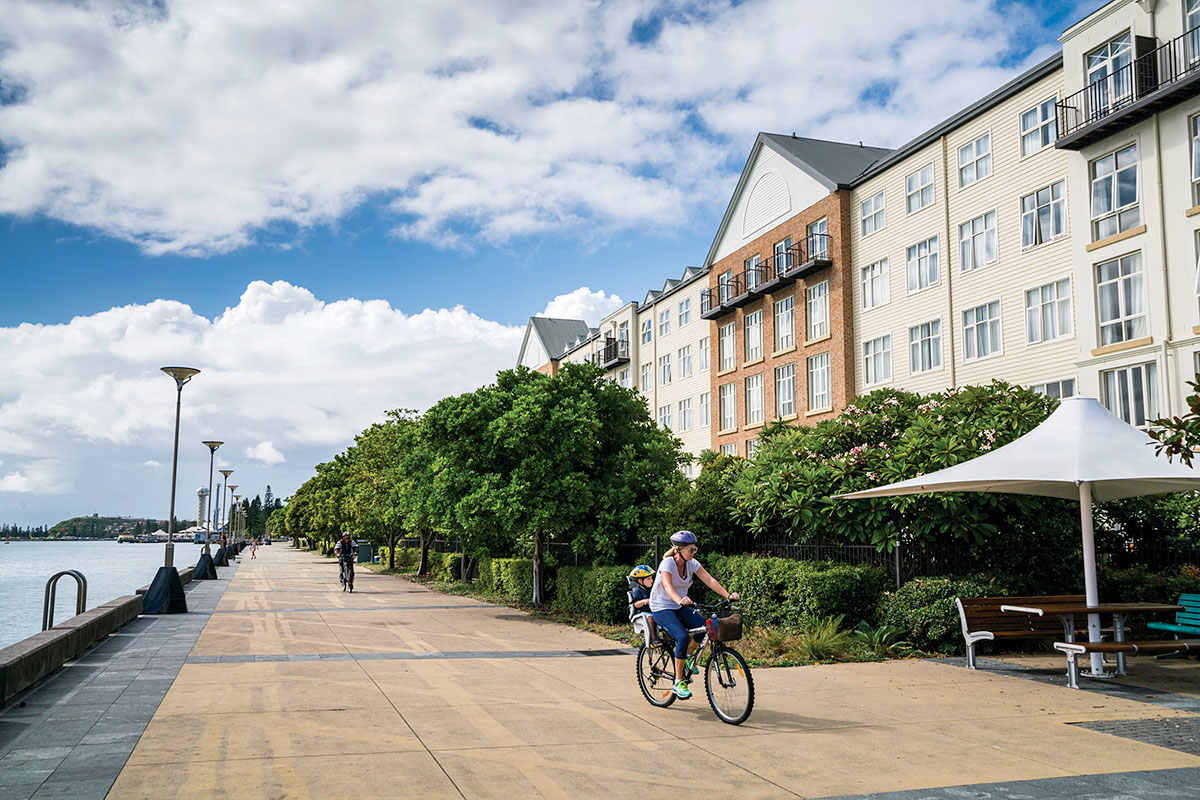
(681, 690)
(690, 665)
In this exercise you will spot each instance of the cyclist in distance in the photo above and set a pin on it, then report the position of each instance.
(669, 603)
(347, 552)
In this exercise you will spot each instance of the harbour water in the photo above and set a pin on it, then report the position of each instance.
(111, 569)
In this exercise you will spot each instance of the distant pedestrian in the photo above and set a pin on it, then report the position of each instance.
(253, 548)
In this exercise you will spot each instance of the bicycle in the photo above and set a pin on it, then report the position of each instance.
(727, 680)
(347, 574)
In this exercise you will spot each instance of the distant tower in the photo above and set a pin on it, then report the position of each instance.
(201, 497)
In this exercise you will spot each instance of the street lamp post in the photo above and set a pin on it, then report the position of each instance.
(222, 559)
(182, 376)
(212, 453)
(237, 519)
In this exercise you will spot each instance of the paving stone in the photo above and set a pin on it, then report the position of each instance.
(94, 789)
(1177, 733)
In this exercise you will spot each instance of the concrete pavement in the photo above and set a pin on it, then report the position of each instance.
(296, 689)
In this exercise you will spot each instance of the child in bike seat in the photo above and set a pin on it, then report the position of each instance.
(641, 579)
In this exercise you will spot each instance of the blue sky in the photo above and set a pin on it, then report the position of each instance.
(334, 210)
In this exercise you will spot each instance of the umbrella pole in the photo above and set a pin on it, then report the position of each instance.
(1091, 592)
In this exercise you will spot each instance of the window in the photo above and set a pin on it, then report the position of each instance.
(725, 344)
(818, 310)
(664, 416)
(664, 370)
(754, 399)
(754, 335)
(705, 411)
(918, 189)
(751, 447)
(1056, 389)
(729, 449)
(875, 284)
(981, 331)
(818, 383)
(877, 360)
(873, 218)
(977, 241)
(785, 390)
(1131, 393)
(1043, 214)
(1115, 193)
(664, 322)
(685, 414)
(974, 160)
(922, 265)
(1191, 22)
(753, 275)
(685, 312)
(1121, 299)
(623, 332)
(783, 255)
(818, 240)
(1048, 311)
(685, 361)
(623, 377)
(785, 323)
(647, 330)
(1039, 127)
(728, 407)
(1109, 82)
(704, 354)
(647, 377)
(1194, 130)
(925, 346)
(725, 286)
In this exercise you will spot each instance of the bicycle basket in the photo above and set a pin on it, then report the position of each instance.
(724, 629)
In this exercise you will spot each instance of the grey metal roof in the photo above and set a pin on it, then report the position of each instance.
(835, 164)
(557, 335)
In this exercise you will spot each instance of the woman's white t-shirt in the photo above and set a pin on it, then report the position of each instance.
(659, 599)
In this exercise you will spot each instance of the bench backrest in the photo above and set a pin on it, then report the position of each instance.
(984, 614)
(1191, 610)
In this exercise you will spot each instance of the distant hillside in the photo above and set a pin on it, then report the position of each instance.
(98, 527)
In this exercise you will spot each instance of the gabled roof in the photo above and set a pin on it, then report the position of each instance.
(556, 335)
(651, 296)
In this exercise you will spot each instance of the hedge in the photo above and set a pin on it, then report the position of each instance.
(512, 578)
(598, 593)
(924, 609)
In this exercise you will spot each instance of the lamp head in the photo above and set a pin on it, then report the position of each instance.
(226, 473)
(232, 486)
(212, 446)
(181, 374)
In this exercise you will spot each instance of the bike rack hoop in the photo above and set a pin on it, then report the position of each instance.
(51, 589)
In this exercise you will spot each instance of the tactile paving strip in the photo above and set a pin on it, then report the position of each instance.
(1177, 733)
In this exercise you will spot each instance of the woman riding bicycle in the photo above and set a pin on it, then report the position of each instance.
(669, 602)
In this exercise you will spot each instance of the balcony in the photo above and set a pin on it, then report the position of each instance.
(614, 353)
(782, 269)
(1158, 78)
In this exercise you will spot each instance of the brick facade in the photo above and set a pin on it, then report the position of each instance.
(835, 208)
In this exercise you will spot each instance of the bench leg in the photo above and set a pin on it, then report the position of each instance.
(970, 655)
(1072, 672)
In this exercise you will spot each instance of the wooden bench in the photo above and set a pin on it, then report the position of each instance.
(982, 620)
(1187, 622)
(1149, 647)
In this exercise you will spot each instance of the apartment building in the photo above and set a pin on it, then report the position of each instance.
(1130, 121)
(778, 295)
(962, 250)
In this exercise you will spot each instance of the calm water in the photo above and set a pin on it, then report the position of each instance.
(111, 569)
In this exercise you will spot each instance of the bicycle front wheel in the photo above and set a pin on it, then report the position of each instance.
(656, 675)
(729, 687)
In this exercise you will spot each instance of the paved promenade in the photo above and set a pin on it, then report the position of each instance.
(294, 690)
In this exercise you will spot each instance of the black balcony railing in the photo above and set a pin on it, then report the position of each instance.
(783, 268)
(614, 352)
(1158, 77)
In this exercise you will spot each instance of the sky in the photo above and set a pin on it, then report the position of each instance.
(337, 208)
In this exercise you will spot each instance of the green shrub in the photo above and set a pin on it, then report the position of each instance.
(598, 593)
(822, 639)
(487, 581)
(924, 609)
(881, 642)
(513, 578)
(445, 566)
(406, 558)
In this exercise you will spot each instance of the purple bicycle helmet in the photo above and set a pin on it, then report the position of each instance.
(683, 537)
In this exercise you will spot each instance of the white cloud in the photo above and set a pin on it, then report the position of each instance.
(191, 126)
(583, 304)
(264, 453)
(150, 462)
(83, 405)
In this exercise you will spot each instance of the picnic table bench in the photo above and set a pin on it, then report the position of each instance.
(982, 620)
(1146, 647)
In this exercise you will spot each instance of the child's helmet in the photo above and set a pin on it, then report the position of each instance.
(641, 571)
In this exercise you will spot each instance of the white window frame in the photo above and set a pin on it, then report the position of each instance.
(726, 347)
(1122, 217)
(978, 160)
(664, 369)
(875, 280)
(1040, 206)
(877, 360)
(982, 331)
(783, 255)
(1057, 389)
(725, 286)
(785, 324)
(1105, 70)
(727, 406)
(623, 378)
(816, 320)
(820, 382)
(685, 414)
(918, 186)
(704, 354)
(1194, 139)
(1049, 303)
(664, 417)
(664, 322)
(647, 330)
(817, 238)
(873, 213)
(1120, 388)
(922, 267)
(647, 378)
(685, 312)
(751, 271)
(755, 398)
(1042, 125)
(977, 242)
(785, 390)
(706, 409)
(751, 447)
(925, 338)
(1130, 287)
(754, 338)
(729, 449)
(685, 361)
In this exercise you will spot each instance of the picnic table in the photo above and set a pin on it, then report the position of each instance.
(1066, 611)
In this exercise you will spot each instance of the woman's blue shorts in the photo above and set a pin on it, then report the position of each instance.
(676, 622)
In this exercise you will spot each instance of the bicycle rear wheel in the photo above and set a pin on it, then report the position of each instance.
(729, 687)
(656, 675)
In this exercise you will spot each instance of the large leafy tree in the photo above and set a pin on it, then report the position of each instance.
(1179, 437)
(374, 479)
